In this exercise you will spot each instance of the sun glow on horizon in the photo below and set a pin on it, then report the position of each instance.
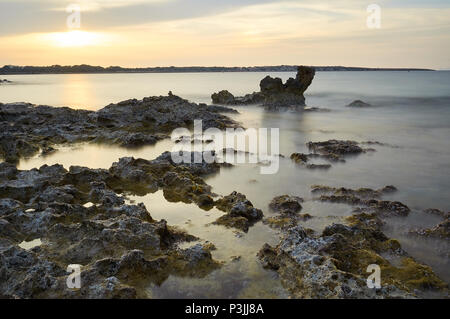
(141, 33)
(74, 38)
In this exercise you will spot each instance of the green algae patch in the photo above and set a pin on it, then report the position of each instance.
(278, 221)
(240, 223)
(412, 275)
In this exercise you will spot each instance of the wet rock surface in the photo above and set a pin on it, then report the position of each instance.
(336, 150)
(81, 216)
(334, 264)
(288, 210)
(286, 204)
(240, 212)
(366, 193)
(120, 247)
(331, 151)
(441, 230)
(28, 129)
(304, 160)
(366, 199)
(437, 212)
(273, 92)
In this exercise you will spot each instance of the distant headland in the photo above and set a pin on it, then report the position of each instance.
(59, 69)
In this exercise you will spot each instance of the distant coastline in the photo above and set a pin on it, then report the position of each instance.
(58, 69)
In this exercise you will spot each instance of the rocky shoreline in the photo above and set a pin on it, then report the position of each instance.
(29, 129)
(333, 264)
(80, 215)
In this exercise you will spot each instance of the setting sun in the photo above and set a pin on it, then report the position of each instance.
(74, 38)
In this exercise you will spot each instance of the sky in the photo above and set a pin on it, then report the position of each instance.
(138, 33)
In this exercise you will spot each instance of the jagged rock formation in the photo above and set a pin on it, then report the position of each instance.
(286, 204)
(334, 264)
(274, 93)
(240, 212)
(80, 217)
(117, 244)
(28, 129)
(288, 209)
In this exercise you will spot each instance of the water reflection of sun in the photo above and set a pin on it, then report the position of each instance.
(77, 90)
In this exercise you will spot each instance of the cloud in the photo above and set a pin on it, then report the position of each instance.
(232, 32)
(49, 15)
(26, 16)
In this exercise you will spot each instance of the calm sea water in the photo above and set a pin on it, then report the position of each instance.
(411, 114)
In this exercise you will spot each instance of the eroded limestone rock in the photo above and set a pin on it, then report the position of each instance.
(441, 230)
(240, 212)
(334, 264)
(118, 245)
(273, 92)
(365, 198)
(286, 204)
(28, 129)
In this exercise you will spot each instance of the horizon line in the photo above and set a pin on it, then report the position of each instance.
(72, 69)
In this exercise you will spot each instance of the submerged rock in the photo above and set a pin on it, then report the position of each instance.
(273, 92)
(437, 212)
(299, 158)
(318, 166)
(358, 103)
(331, 150)
(316, 109)
(366, 198)
(303, 160)
(335, 149)
(288, 209)
(286, 204)
(367, 193)
(441, 230)
(280, 221)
